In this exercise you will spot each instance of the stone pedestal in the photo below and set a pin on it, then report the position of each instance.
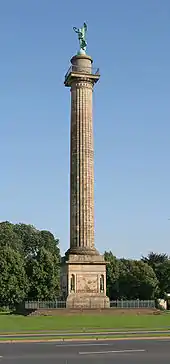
(83, 271)
(83, 281)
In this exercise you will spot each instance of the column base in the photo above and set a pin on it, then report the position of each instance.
(79, 251)
(87, 301)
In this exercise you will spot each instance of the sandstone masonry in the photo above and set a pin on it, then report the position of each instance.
(83, 272)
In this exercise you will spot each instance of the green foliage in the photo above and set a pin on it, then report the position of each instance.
(130, 279)
(13, 279)
(137, 280)
(44, 275)
(48, 241)
(160, 263)
(8, 237)
(155, 259)
(112, 275)
(30, 238)
(29, 265)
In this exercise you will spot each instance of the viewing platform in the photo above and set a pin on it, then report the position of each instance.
(81, 71)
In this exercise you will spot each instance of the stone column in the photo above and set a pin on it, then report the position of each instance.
(82, 266)
(81, 82)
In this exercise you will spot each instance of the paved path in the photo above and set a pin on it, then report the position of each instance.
(84, 334)
(119, 352)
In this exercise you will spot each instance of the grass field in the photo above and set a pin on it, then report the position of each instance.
(82, 322)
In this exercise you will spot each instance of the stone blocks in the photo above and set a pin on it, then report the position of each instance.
(83, 272)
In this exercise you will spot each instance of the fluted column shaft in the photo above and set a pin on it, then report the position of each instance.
(82, 166)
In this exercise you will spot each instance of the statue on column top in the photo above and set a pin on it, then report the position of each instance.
(82, 38)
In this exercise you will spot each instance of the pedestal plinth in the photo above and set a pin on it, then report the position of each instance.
(84, 281)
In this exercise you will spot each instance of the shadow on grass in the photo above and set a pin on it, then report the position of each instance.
(5, 313)
(22, 313)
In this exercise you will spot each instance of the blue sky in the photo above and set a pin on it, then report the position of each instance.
(129, 42)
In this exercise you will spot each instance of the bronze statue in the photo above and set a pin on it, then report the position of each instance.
(82, 37)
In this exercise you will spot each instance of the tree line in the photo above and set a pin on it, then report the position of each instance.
(30, 269)
(148, 278)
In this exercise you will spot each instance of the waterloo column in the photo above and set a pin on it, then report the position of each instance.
(83, 274)
(81, 82)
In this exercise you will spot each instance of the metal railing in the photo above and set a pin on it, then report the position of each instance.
(82, 69)
(35, 305)
(133, 304)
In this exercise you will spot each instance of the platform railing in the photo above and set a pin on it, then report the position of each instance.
(82, 69)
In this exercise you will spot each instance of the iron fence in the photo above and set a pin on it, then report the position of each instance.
(35, 305)
(133, 304)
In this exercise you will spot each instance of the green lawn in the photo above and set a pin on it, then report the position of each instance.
(14, 323)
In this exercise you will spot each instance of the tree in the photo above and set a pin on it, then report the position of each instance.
(154, 259)
(30, 238)
(112, 275)
(160, 263)
(42, 260)
(137, 280)
(49, 242)
(43, 276)
(33, 240)
(37, 252)
(8, 237)
(163, 276)
(13, 279)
